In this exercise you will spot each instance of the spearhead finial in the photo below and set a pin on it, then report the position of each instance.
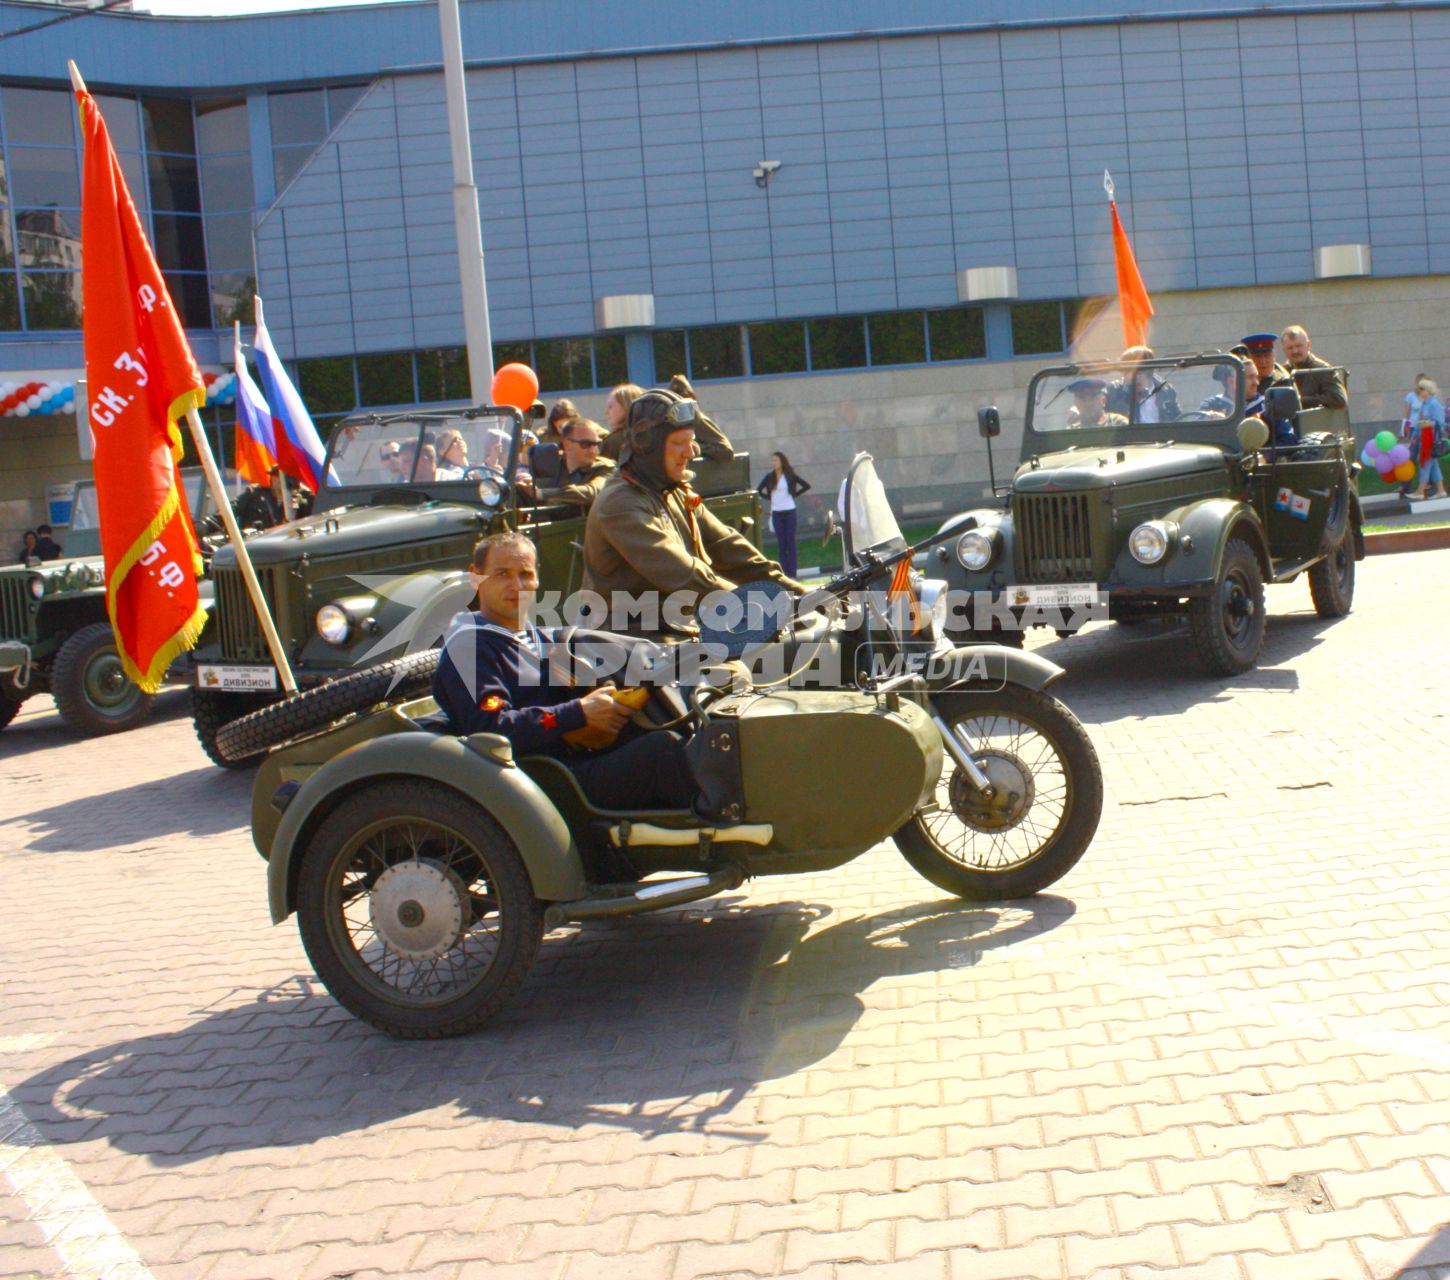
(1108, 184)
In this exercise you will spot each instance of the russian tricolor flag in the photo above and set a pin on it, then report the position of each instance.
(254, 446)
(299, 449)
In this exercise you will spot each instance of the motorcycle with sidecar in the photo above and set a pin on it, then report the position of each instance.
(424, 868)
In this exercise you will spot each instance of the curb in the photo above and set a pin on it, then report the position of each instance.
(1432, 538)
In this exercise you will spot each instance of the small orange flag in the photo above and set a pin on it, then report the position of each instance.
(142, 378)
(1133, 297)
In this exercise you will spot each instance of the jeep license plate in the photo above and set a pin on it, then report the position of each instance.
(1054, 595)
(211, 675)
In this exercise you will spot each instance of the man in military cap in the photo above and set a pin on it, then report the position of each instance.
(1259, 348)
(648, 531)
(1320, 384)
(1090, 405)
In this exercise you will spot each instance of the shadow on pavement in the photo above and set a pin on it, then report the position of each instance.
(39, 725)
(663, 1024)
(200, 802)
(1430, 1259)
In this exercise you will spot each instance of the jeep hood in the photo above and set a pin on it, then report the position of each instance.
(1107, 466)
(349, 530)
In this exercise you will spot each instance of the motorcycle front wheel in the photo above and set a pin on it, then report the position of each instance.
(1048, 797)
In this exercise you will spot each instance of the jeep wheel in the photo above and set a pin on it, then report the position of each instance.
(93, 693)
(416, 910)
(1331, 581)
(213, 708)
(1228, 625)
(317, 708)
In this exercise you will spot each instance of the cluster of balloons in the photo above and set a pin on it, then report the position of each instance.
(1390, 458)
(221, 388)
(515, 385)
(21, 399)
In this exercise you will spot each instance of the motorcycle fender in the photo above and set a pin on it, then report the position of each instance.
(991, 664)
(505, 791)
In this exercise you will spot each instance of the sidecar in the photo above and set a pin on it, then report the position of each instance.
(424, 867)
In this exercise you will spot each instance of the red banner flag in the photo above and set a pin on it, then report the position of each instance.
(1133, 296)
(142, 378)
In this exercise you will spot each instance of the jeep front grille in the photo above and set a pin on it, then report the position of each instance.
(238, 629)
(1054, 537)
(15, 607)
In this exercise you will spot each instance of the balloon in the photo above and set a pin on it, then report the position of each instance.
(1405, 472)
(1384, 466)
(1400, 453)
(1385, 440)
(516, 385)
(1366, 457)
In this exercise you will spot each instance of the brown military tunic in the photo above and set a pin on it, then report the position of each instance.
(1320, 390)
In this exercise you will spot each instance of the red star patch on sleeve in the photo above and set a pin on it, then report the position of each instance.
(491, 703)
(549, 720)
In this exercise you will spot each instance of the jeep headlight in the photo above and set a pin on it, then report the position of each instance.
(490, 490)
(975, 549)
(96, 575)
(1148, 543)
(37, 587)
(333, 624)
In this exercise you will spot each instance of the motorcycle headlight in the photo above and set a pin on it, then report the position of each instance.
(1148, 543)
(37, 587)
(975, 549)
(333, 624)
(490, 490)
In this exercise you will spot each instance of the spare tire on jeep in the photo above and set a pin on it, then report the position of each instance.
(315, 709)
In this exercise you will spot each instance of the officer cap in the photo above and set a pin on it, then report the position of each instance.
(1087, 387)
(1260, 341)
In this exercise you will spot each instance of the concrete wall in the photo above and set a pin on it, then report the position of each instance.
(35, 452)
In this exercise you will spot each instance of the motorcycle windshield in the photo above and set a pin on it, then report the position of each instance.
(869, 521)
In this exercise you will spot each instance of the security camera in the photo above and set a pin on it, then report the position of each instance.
(770, 166)
(763, 170)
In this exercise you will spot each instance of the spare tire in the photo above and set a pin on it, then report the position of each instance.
(317, 708)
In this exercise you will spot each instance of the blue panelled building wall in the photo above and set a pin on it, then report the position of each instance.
(825, 305)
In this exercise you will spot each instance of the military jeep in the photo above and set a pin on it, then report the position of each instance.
(54, 633)
(1176, 507)
(380, 565)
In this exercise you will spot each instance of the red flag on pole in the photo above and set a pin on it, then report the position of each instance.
(142, 378)
(1133, 297)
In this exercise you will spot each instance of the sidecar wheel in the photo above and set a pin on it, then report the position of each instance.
(417, 911)
(1049, 798)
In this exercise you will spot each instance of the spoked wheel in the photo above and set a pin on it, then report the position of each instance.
(1047, 797)
(417, 911)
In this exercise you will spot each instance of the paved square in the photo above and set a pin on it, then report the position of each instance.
(1219, 1048)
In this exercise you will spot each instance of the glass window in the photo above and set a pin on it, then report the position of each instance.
(564, 364)
(4, 181)
(443, 374)
(286, 162)
(1078, 314)
(191, 296)
(512, 353)
(48, 237)
(611, 362)
(42, 116)
(299, 116)
(52, 299)
(957, 334)
(221, 125)
(9, 302)
(123, 121)
(178, 242)
(717, 352)
(174, 188)
(897, 338)
(385, 379)
(7, 246)
(669, 347)
(1036, 328)
(231, 297)
(133, 169)
(226, 183)
(838, 342)
(777, 347)
(45, 175)
(340, 100)
(168, 125)
(326, 385)
(228, 240)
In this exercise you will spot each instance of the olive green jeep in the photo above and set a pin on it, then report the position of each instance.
(1149, 494)
(54, 633)
(380, 565)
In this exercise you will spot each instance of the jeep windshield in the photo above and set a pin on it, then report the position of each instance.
(422, 450)
(1199, 397)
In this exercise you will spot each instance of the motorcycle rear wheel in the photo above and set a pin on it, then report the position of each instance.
(1046, 810)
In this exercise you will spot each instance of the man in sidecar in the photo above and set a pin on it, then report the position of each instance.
(498, 674)
(649, 532)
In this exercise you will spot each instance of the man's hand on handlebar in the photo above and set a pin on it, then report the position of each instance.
(601, 711)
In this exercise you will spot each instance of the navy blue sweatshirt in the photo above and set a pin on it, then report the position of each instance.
(492, 680)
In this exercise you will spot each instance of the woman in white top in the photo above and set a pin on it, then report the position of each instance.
(782, 486)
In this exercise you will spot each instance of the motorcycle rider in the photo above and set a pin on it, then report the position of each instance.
(648, 531)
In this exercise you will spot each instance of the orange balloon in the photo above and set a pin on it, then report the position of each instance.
(1405, 471)
(516, 385)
